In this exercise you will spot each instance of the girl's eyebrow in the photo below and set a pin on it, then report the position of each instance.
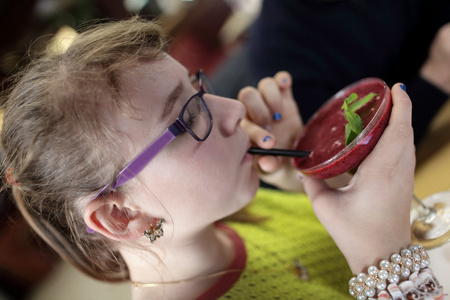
(171, 99)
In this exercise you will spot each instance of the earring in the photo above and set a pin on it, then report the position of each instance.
(155, 232)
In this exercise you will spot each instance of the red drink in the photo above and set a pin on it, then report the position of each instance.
(324, 134)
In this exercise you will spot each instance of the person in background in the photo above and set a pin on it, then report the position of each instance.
(328, 44)
(127, 167)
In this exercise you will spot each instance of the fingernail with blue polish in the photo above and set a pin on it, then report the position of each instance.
(277, 116)
(266, 138)
(403, 87)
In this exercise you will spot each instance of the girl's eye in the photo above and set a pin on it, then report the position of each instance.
(194, 114)
(191, 119)
(191, 112)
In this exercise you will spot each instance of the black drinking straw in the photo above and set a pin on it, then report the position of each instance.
(279, 152)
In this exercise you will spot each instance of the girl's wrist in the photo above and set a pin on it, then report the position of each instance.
(374, 253)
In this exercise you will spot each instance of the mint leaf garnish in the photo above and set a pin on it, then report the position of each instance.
(360, 103)
(355, 125)
(350, 135)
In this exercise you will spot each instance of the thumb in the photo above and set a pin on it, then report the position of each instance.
(315, 188)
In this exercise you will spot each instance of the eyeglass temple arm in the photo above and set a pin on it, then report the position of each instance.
(141, 161)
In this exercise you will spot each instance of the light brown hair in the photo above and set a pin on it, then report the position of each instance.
(58, 143)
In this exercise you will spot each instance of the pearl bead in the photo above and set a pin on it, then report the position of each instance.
(408, 262)
(370, 293)
(413, 248)
(370, 282)
(384, 264)
(396, 258)
(361, 277)
(381, 285)
(383, 274)
(351, 292)
(359, 288)
(352, 281)
(406, 252)
(405, 272)
(361, 297)
(424, 263)
(372, 270)
(394, 278)
(416, 268)
(396, 268)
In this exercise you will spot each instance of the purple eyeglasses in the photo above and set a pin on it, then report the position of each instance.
(194, 118)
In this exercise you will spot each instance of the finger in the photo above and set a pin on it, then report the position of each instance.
(258, 135)
(288, 103)
(399, 130)
(257, 110)
(284, 82)
(263, 139)
(268, 164)
(396, 145)
(270, 92)
(402, 107)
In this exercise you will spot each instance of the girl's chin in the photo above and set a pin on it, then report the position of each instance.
(254, 184)
(254, 180)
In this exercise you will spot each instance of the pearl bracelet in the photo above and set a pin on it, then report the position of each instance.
(411, 260)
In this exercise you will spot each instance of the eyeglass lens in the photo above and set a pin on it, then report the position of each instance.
(196, 115)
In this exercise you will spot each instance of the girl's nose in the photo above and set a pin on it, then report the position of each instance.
(227, 113)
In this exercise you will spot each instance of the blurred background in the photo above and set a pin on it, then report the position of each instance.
(205, 34)
(200, 29)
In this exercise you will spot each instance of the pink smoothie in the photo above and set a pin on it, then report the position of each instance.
(324, 134)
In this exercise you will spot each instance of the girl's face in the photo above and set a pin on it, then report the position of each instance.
(192, 183)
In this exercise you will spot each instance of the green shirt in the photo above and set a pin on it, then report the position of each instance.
(292, 233)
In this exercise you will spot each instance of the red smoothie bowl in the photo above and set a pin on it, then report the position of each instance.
(324, 134)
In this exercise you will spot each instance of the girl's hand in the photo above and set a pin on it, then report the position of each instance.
(273, 121)
(369, 218)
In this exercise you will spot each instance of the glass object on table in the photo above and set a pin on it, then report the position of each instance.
(430, 220)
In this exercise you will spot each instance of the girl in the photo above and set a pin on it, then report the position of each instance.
(124, 164)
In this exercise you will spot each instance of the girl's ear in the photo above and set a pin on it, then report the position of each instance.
(109, 216)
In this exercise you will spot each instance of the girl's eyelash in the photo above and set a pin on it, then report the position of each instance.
(192, 118)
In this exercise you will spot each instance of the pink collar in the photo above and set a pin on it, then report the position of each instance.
(226, 281)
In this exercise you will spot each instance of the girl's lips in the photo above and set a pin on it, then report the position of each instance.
(247, 156)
